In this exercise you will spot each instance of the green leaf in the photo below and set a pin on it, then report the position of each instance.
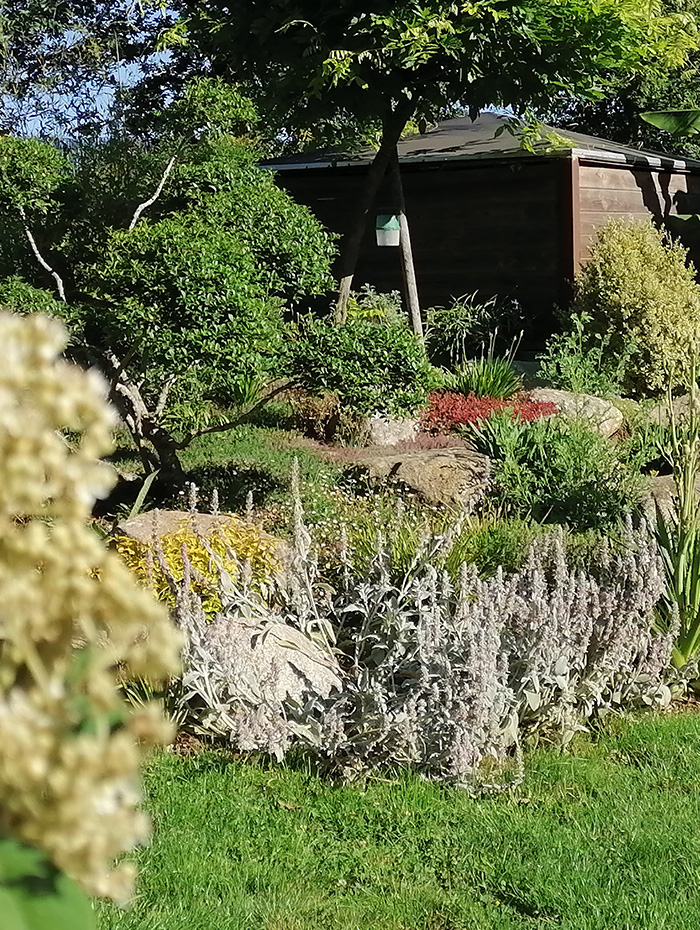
(679, 122)
(36, 896)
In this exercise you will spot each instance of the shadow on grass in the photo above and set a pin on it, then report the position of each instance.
(233, 483)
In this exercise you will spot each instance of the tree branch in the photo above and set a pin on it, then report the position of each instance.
(163, 396)
(159, 190)
(232, 424)
(40, 258)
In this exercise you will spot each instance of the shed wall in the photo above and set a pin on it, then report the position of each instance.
(611, 192)
(492, 228)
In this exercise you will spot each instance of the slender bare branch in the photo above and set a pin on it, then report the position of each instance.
(232, 424)
(40, 258)
(151, 200)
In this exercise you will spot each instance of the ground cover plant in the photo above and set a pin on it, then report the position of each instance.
(449, 410)
(589, 841)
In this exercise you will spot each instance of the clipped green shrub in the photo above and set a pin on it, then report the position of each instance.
(372, 367)
(640, 293)
(557, 471)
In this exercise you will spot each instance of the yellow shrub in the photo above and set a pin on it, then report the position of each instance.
(638, 288)
(233, 544)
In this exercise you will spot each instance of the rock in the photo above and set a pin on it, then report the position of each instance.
(158, 523)
(389, 431)
(455, 477)
(271, 662)
(661, 491)
(601, 414)
(660, 414)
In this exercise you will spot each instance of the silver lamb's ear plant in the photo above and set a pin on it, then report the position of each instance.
(448, 679)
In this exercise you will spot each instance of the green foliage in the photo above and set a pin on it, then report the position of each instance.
(194, 295)
(35, 896)
(677, 122)
(678, 531)
(368, 304)
(580, 360)
(185, 291)
(642, 297)
(18, 294)
(372, 367)
(208, 106)
(557, 470)
(31, 174)
(315, 60)
(616, 116)
(461, 331)
(489, 376)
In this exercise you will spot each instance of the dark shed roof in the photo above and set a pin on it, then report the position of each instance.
(462, 139)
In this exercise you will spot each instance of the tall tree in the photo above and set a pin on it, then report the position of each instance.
(397, 61)
(171, 265)
(617, 116)
(62, 62)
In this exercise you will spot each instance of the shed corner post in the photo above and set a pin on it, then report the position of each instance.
(570, 229)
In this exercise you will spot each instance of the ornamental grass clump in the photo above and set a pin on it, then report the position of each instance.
(72, 619)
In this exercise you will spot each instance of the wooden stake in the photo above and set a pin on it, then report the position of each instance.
(408, 269)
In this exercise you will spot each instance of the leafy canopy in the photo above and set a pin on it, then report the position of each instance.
(195, 292)
(320, 58)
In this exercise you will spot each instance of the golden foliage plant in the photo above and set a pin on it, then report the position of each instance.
(235, 545)
(71, 616)
(639, 290)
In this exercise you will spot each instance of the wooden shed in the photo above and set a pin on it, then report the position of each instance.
(486, 215)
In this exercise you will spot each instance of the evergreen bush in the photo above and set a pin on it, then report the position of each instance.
(372, 367)
(640, 292)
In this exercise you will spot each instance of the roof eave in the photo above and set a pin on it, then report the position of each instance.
(597, 156)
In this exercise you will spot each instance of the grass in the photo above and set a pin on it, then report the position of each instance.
(604, 838)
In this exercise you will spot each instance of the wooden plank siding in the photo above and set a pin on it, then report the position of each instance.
(607, 192)
(494, 228)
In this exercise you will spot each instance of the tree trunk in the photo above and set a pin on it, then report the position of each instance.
(392, 128)
(408, 270)
(142, 423)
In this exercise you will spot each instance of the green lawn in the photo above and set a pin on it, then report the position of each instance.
(604, 838)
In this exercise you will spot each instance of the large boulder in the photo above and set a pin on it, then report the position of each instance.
(155, 524)
(151, 527)
(660, 414)
(661, 491)
(601, 414)
(456, 477)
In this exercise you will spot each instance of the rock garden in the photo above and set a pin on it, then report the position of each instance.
(401, 631)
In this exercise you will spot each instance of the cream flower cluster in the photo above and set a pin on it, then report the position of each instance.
(72, 618)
